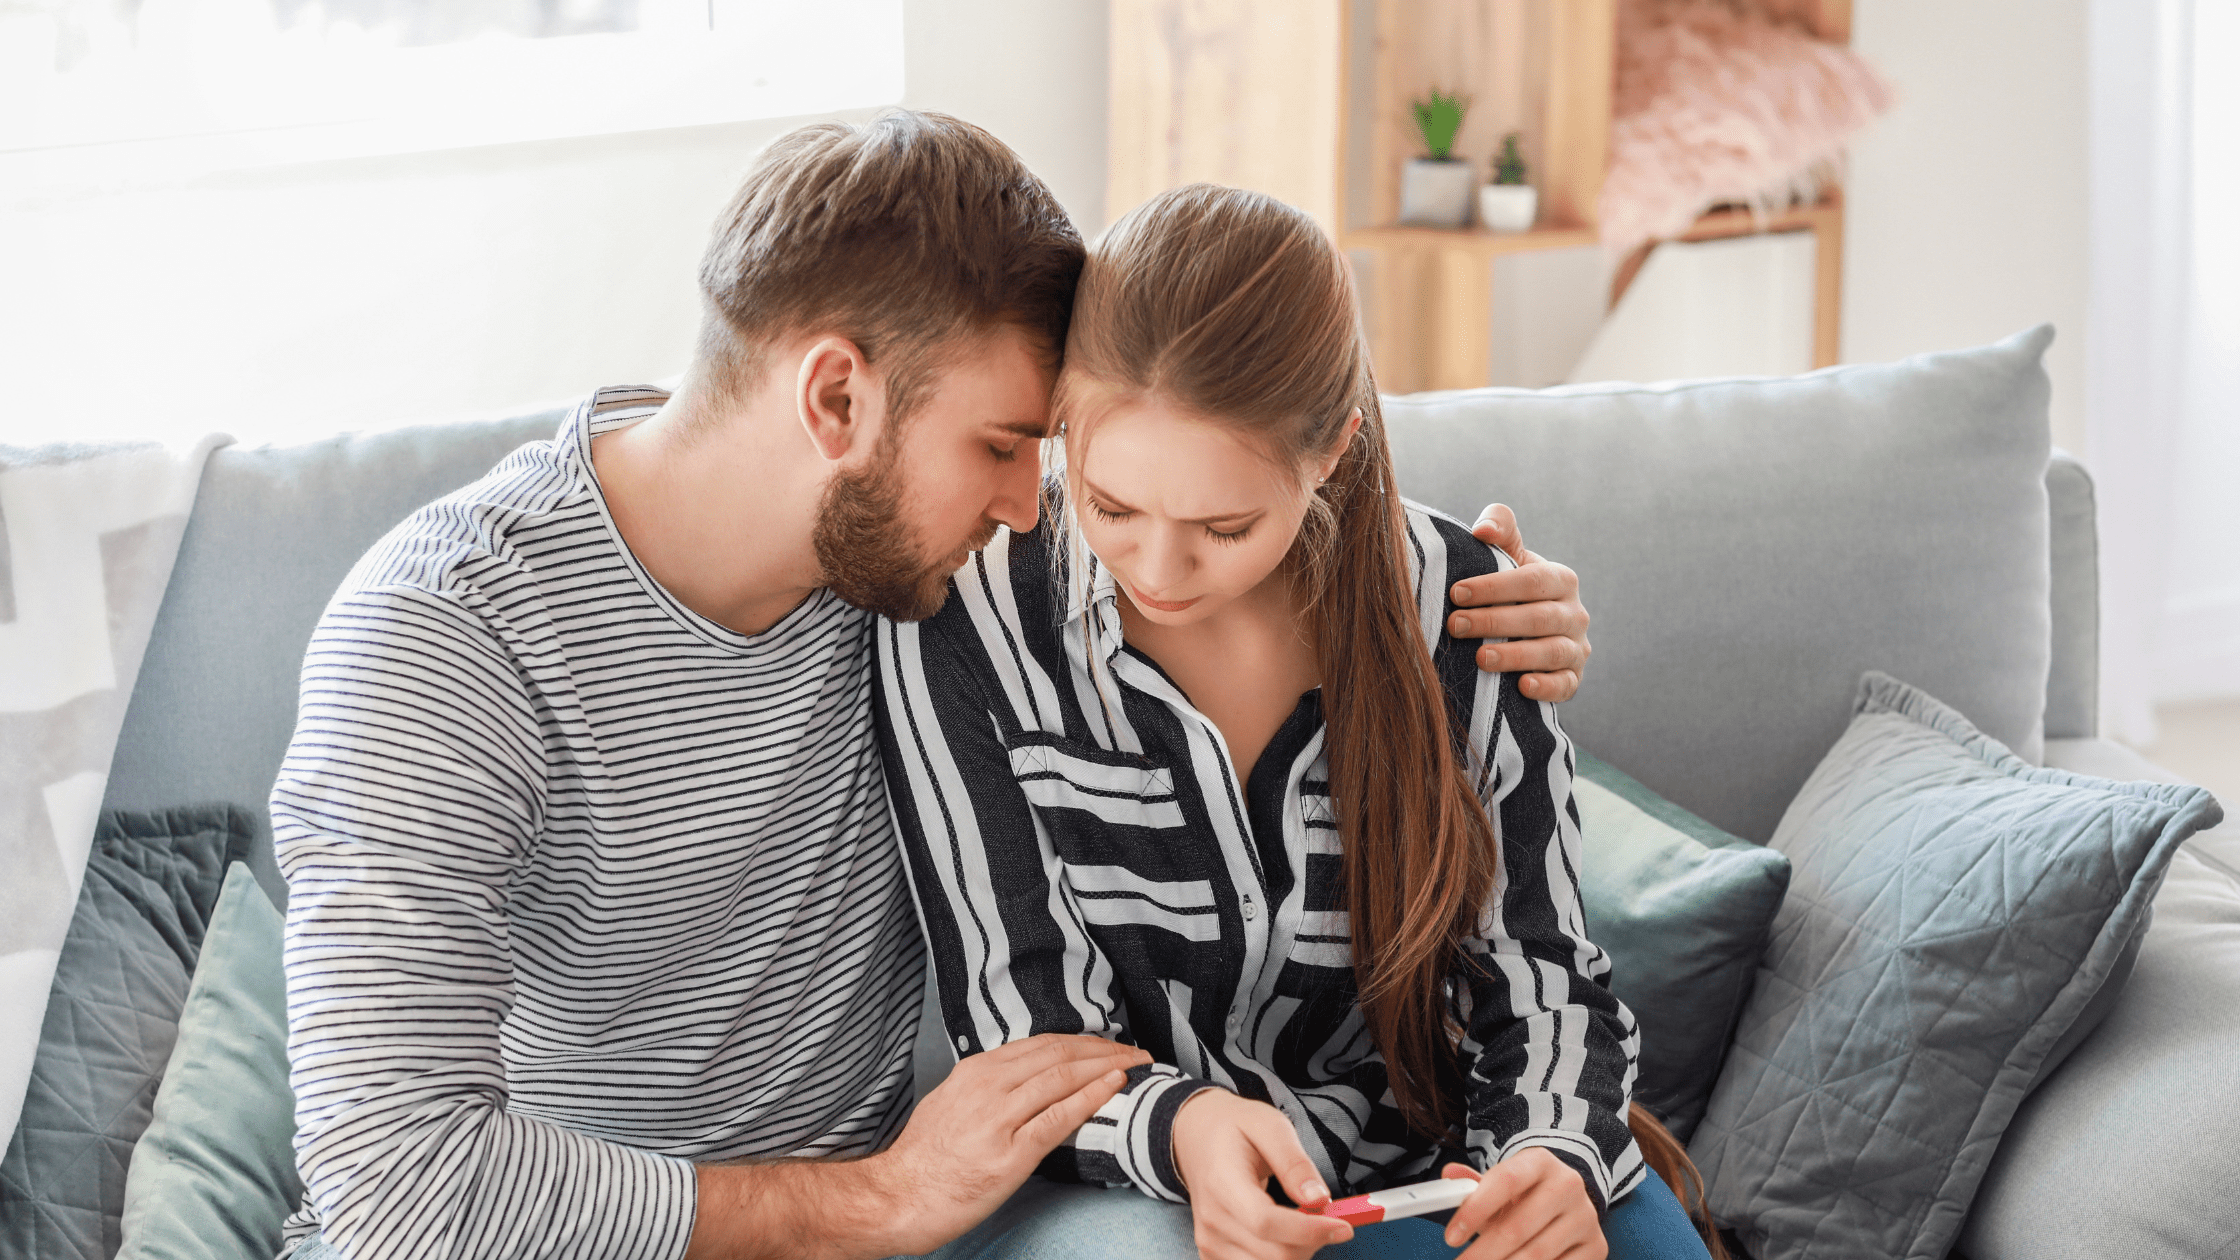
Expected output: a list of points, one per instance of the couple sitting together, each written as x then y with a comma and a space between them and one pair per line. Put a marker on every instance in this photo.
633, 784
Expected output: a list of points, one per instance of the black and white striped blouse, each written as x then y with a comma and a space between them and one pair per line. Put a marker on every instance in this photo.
1090, 862
583, 886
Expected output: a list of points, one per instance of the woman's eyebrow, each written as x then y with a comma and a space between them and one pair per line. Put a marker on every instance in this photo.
1224, 518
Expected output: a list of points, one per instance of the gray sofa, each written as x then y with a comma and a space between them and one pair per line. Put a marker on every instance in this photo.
1742, 571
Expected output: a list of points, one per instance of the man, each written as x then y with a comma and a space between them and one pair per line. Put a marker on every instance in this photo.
598, 941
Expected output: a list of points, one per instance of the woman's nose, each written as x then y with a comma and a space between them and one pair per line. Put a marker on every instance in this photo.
1164, 564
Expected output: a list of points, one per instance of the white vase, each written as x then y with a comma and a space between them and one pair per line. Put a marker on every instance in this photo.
1435, 193
1508, 207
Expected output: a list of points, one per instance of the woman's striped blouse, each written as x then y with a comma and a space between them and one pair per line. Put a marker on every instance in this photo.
1086, 859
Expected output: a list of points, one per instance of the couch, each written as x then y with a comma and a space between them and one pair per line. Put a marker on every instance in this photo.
1741, 576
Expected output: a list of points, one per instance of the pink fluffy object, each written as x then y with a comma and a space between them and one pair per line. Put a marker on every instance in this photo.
1713, 103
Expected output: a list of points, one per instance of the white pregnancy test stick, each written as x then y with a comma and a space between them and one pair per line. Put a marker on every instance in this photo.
1420, 1199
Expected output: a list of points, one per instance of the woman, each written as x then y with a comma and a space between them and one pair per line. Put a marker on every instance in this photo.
1326, 879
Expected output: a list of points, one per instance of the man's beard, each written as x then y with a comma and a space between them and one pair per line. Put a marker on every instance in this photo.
870, 556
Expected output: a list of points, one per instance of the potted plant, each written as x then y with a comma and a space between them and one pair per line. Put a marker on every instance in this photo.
1435, 190
1508, 204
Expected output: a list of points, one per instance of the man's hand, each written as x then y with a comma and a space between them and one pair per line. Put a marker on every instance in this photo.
969, 1145
1530, 1206
1535, 605
1226, 1148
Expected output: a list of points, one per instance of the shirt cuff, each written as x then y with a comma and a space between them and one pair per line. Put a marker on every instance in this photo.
1142, 1115
1576, 1151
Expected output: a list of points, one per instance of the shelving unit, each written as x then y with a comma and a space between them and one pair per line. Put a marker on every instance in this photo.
1307, 100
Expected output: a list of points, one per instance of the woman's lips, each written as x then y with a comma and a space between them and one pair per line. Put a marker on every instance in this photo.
1160, 605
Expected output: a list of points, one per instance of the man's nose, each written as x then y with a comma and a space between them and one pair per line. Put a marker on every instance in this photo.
1018, 497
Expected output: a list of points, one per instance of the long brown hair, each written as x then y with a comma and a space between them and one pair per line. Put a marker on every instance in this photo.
1236, 308
1233, 306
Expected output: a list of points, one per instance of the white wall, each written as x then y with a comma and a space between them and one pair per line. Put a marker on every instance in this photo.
366, 292
1967, 211
349, 294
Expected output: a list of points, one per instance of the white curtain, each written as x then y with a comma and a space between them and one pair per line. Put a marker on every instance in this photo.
2163, 355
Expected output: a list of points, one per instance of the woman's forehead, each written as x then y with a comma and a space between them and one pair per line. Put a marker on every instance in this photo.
1158, 458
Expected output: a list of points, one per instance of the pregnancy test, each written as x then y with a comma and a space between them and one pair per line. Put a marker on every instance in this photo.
1420, 1199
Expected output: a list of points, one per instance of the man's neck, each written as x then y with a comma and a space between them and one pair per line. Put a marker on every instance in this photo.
717, 499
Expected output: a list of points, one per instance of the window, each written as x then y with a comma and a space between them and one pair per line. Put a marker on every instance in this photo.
254, 81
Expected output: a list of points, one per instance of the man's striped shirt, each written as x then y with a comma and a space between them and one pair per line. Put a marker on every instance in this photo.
1087, 859
583, 886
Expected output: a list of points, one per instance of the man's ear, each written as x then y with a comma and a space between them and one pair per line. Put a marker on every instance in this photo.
840, 402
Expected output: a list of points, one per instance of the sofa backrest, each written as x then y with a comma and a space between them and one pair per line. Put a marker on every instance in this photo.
273, 532
1747, 548
1750, 547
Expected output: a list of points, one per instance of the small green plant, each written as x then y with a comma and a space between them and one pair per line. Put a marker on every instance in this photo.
1508, 166
1438, 119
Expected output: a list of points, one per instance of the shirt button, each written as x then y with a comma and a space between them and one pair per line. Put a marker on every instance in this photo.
963, 1044
1251, 908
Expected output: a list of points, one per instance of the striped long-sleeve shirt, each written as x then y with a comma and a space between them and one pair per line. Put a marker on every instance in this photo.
582, 886
1087, 859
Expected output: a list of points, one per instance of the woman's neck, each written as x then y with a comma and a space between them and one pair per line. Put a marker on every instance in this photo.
1244, 666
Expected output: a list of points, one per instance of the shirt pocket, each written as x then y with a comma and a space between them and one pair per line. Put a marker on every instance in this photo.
1129, 859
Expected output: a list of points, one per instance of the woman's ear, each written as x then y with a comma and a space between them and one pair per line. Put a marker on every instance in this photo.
1345, 440
839, 401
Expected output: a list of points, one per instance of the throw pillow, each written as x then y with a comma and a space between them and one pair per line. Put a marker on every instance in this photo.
1952, 913
1683, 909
151, 881
215, 1174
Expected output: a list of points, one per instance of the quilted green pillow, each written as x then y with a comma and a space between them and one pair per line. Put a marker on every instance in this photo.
1954, 914
1683, 909
150, 883
215, 1174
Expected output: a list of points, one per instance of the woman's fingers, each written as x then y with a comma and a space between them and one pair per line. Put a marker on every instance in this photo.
1531, 1206
1495, 1191
1277, 1142
1531, 1226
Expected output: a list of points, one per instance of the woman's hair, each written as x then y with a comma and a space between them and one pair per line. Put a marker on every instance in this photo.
1234, 307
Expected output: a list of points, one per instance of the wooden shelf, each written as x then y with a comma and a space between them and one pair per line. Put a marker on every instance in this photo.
1474, 241
1307, 100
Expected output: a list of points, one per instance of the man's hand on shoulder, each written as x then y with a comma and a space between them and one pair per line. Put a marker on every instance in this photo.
967, 1147
1535, 606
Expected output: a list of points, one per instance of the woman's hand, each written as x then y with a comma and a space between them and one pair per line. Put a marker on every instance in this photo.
1530, 1206
1226, 1148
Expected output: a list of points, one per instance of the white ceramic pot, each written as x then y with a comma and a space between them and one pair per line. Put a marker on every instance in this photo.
1435, 194
1508, 207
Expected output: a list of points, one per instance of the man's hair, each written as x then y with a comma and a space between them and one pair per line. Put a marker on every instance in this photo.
902, 234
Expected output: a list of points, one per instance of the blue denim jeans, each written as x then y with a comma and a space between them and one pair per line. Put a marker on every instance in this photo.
1049, 1221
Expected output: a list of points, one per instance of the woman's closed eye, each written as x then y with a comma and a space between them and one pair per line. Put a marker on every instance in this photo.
1105, 514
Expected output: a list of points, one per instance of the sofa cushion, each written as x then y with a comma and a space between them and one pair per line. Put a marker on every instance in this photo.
1750, 547
274, 530
2133, 1148
1951, 916
215, 1173
151, 882
1683, 909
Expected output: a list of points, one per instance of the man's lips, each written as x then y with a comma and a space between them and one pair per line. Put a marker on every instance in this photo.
1161, 605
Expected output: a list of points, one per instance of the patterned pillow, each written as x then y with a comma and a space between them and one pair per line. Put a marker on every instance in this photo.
1952, 913
151, 882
